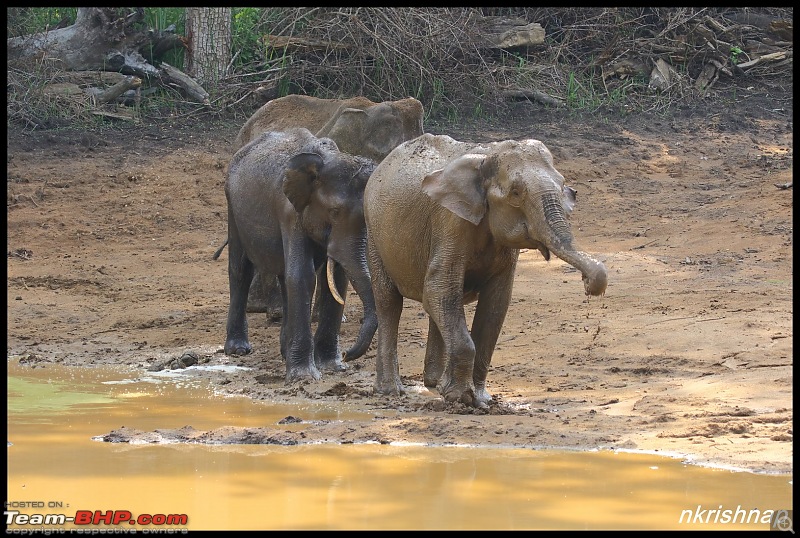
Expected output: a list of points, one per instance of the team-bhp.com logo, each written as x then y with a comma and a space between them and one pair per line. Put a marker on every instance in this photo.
96, 517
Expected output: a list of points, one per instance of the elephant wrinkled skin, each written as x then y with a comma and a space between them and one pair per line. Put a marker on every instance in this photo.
294, 202
445, 222
358, 125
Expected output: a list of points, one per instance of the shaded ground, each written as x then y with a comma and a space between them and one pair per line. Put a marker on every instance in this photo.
111, 236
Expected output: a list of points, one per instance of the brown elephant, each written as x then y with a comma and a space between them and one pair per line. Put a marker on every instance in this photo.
445, 222
295, 204
357, 125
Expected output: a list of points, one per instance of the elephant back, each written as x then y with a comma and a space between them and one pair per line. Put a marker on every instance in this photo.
294, 110
263, 159
411, 161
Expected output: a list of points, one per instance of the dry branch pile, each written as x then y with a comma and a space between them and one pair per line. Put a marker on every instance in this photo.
480, 59
457, 57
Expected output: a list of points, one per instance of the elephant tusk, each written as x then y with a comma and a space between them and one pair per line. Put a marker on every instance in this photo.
332, 284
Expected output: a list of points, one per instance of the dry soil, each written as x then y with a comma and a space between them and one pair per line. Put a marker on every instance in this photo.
689, 353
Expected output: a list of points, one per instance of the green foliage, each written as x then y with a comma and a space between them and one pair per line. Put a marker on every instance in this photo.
438, 93
735, 52
30, 20
477, 112
162, 18
246, 34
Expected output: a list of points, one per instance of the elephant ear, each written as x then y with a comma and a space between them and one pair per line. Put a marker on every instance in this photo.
301, 172
345, 128
334, 119
570, 197
410, 113
459, 186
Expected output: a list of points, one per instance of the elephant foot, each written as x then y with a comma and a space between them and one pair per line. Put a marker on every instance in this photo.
328, 358
432, 371
430, 380
482, 398
304, 373
237, 347
335, 365
274, 314
389, 388
465, 395
265, 296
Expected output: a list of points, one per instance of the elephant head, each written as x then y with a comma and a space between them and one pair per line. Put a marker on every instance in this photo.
375, 130
326, 188
514, 188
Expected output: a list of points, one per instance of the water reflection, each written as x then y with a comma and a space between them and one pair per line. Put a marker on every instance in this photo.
54, 412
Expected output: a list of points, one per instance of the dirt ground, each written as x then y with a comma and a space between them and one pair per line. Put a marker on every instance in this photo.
689, 353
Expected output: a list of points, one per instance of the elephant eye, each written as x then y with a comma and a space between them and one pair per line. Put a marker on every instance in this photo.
516, 193
334, 213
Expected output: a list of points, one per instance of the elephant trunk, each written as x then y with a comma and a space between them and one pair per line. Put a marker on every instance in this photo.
369, 324
559, 240
354, 261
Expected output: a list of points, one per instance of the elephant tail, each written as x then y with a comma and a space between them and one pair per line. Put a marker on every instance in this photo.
220, 249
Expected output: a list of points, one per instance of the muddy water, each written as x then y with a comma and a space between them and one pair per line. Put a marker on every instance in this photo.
54, 412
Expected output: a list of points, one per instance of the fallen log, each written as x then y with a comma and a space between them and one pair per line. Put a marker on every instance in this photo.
189, 85
102, 39
774, 57
534, 95
115, 115
110, 94
503, 33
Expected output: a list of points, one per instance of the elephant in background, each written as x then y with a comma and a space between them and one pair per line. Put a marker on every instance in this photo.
445, 222
294, 202
357, 125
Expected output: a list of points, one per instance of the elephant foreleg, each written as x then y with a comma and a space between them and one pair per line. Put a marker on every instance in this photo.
240, 274
456, 383
443, 300
327, 353
284, 318
296, 339
389, 307
490, 313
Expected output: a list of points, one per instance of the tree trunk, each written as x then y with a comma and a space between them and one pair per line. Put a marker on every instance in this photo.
208, 32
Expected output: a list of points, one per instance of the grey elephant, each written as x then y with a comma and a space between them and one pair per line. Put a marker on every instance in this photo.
358, 125
295, 202
445, 222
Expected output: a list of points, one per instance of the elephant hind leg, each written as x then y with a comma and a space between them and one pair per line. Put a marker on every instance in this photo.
434, 356
265, 296
389, 308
